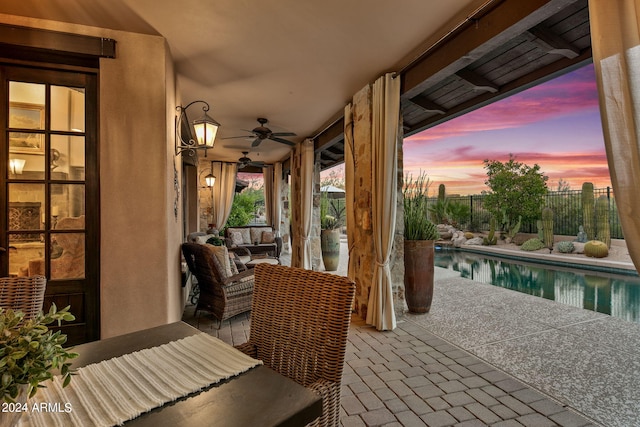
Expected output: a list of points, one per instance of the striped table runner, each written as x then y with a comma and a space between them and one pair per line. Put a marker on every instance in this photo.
117, 390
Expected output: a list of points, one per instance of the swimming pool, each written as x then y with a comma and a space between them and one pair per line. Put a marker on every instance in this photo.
614, 294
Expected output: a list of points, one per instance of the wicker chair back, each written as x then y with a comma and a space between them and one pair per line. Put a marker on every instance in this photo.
299, 326
25, 294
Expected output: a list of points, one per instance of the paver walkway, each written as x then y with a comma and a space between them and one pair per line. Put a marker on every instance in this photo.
458, 364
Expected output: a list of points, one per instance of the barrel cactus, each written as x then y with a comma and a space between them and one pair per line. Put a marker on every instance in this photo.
588, 209
532, 245
565, 247
596, 249
547, 227
602, 220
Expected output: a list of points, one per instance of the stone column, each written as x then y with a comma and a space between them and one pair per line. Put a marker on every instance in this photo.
364, 252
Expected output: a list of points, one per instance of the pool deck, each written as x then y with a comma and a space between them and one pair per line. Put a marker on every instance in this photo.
485, 356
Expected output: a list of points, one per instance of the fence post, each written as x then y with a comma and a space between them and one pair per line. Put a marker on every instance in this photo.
471, 210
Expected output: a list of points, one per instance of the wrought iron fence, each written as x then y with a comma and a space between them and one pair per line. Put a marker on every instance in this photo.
566, 206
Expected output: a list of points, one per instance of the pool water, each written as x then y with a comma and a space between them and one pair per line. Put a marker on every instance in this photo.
614, 294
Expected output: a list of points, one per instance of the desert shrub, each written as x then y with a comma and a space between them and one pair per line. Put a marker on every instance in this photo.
532, 245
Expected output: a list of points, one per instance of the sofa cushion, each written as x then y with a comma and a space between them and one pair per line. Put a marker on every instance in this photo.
267, 237
246, 234
256, 233
222, 255
236, 238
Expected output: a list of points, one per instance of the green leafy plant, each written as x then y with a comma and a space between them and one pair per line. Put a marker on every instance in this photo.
329, 222
30, 352
417, 225
517, 188
215, 241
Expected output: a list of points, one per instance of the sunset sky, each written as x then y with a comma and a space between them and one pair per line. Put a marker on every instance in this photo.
556, 125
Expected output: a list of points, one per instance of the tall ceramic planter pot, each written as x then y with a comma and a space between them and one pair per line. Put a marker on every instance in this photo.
418, 274
330, 245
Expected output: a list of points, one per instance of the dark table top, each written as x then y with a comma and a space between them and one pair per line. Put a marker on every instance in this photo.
259, 396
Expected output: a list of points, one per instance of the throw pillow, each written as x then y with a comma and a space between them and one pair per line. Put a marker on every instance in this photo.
267, 237
246, 235
236, 238
222, 256
256, 233
232, 263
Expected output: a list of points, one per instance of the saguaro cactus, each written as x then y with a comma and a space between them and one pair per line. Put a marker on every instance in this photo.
441, 192
588, 210
547, 227
491, 238
602, 220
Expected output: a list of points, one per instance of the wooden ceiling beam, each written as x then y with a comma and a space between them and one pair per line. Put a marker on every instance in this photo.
476, 81
553, 43
543, 74
428, 105
478, 37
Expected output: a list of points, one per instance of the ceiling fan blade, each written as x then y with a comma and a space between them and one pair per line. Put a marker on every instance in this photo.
283, 141
257, 164
235, 137
256, 142
283, 134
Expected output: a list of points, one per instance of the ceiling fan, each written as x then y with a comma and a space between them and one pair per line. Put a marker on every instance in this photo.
246, 161
262, 132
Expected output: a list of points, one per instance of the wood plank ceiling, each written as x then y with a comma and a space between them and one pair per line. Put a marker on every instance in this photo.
498, 52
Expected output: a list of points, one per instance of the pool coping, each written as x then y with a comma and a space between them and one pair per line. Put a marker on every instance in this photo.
593, 264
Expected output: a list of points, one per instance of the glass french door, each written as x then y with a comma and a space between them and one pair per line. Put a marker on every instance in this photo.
49, 188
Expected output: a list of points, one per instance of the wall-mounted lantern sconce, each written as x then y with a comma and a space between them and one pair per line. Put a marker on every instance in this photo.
210, 179
199, 134
16, 166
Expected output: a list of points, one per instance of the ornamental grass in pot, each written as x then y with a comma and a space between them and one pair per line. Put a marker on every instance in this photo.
30, 353
419, 236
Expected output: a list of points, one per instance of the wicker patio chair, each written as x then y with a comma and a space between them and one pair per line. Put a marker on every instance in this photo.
25, 294
222, 293
299, 325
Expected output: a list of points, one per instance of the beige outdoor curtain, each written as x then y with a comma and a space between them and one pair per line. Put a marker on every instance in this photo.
386, 112
615, 35
276, 208
302, 199
267, 178
349, 165
272, 175
223, 192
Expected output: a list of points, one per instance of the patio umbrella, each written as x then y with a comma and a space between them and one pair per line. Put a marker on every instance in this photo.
333, 192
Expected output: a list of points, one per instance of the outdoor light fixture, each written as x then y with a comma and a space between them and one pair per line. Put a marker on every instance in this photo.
210, 180
16, 166
195, 135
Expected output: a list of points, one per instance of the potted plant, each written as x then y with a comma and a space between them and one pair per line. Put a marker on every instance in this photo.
31, 353
419, 236
330, 242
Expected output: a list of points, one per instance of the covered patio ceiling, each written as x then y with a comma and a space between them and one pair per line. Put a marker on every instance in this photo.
298, 63
503, 49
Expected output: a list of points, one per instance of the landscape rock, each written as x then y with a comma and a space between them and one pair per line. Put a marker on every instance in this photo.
578, 247
476, 241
